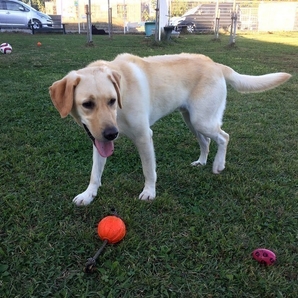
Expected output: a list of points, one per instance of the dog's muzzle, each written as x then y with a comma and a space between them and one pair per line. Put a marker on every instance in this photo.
104, 148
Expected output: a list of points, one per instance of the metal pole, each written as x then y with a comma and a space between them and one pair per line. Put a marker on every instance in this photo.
89, 24
217, 18
89, 30
233, 25
110, 21
157, 21
77, 5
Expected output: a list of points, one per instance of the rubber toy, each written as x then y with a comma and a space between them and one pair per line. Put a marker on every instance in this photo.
111, 229
264, 256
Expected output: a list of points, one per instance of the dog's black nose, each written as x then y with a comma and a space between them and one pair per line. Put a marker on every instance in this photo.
110, 133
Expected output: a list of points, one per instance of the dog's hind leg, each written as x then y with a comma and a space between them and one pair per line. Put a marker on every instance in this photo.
222, 140
204, 141
214, 132
206, 121
86, 197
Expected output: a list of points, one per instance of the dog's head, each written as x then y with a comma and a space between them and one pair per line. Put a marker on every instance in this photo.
91, 96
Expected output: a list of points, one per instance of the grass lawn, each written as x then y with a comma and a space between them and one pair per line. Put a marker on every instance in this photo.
195, 239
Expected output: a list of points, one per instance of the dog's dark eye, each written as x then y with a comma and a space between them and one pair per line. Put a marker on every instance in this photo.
89, 105
111, 102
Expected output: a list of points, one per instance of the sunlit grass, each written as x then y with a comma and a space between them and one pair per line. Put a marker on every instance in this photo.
287, 38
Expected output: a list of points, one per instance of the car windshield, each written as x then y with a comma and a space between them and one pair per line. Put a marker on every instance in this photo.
191, 11
28, 6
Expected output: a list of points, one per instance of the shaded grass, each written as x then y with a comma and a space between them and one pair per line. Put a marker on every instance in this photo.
195, 239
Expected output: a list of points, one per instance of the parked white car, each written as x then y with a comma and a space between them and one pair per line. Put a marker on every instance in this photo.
16, 14
174, 21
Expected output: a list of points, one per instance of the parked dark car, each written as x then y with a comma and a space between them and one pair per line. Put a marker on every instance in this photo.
16, 14
202, 17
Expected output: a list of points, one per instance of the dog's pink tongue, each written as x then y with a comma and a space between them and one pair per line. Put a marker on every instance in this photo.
105, 149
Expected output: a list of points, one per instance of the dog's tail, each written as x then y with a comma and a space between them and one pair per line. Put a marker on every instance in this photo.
250, 84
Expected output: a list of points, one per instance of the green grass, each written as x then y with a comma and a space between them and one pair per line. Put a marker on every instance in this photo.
196, 238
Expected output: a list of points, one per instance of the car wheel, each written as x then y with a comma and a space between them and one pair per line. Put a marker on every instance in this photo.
36, 24
190, 28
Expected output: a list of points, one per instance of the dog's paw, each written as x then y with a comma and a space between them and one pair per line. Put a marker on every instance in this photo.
83, 199
218, 168
147, 195
198, 163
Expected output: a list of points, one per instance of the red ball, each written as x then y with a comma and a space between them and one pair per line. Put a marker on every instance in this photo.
112, 229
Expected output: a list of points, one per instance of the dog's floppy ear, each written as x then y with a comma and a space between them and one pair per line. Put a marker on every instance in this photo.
62, 93
116, 77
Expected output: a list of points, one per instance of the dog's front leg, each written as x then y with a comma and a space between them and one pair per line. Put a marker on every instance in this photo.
86, 197
146, 151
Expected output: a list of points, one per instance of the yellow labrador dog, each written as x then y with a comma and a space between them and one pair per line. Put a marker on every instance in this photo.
129, 94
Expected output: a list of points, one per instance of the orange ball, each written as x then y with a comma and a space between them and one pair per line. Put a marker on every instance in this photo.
39, 43
112, 229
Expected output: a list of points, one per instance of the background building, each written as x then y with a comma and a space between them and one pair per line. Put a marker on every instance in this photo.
255, 15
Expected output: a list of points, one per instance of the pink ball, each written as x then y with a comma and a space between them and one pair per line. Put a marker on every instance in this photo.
264, 256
